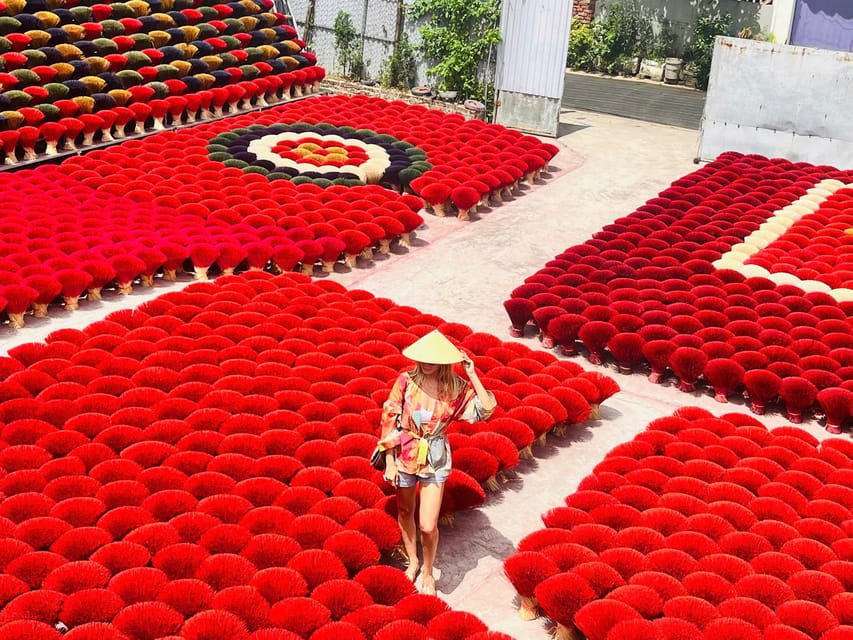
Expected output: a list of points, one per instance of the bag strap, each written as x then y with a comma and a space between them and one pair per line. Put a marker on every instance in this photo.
403, 384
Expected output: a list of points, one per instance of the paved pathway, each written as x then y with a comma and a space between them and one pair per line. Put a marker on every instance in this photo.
632, 98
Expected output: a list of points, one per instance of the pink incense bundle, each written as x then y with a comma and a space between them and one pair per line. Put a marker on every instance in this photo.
465, 200
798, 394
258, 255
141, 112
127, 269
526, 570
835, 403
561, 596
604, 385
27, 138
627, 349
51, 132
520, 312
687, 363
543, 317
658, 353
595, 335
49, 288
436, 195
724, 375
9, 142
19, 298
762, 386
202, 257
175, 254
230, 257
74, 282
102, 272
153, 259
393, 228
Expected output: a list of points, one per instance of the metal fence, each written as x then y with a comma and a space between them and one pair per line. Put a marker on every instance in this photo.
376, 21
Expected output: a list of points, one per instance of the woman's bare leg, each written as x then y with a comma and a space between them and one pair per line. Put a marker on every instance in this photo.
431, 495
406, 519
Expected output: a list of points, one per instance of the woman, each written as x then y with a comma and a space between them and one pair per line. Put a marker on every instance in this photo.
421, 404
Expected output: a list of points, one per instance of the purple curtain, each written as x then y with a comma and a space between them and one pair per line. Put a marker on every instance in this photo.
827, 24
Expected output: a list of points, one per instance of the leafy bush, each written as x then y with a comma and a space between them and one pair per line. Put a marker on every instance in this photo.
457, 37
701, 52
400, 70
583, 47
626, 29
623, 31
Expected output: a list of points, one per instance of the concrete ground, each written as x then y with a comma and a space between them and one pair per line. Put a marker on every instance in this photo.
463, 271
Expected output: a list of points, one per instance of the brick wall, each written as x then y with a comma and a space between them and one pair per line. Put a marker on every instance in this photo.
584, 10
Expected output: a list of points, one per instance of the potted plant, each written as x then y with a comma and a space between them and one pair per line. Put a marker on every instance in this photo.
651, 68
688, 75
445, 92
655, 50
629, 65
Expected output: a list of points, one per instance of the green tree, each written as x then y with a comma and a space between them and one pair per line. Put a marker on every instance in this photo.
401, 68
346, 42
457, 37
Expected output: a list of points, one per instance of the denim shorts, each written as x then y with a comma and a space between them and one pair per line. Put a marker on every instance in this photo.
407, 480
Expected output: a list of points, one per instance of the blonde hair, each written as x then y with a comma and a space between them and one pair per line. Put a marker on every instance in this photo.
449, 384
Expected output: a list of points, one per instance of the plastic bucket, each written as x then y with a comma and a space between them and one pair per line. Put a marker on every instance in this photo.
672, 70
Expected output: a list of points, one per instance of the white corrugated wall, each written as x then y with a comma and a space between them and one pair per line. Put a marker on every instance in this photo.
532, 54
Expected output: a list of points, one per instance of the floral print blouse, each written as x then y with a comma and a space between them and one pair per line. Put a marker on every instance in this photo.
423, 447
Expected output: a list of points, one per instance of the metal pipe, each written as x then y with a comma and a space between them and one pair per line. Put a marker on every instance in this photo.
363, 31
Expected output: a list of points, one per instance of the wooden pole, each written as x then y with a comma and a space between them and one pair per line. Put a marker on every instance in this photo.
309, 21
398, 27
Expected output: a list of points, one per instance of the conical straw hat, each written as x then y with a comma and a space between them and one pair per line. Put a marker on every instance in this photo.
433, 348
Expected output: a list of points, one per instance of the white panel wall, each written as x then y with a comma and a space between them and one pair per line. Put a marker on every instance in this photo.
531, 66
532, 54
779, 101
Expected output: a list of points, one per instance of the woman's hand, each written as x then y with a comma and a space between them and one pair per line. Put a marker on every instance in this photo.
467, 364
487, 399
390, 474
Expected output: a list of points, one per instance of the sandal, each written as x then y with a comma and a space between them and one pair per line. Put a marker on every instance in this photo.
412, 571
428, 586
